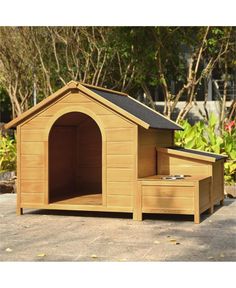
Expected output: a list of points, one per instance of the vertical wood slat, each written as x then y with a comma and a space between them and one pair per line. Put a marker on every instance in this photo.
104, 173
46, 169
137, 209
222, 184
19, 210
211, 196
148, 141
196, 204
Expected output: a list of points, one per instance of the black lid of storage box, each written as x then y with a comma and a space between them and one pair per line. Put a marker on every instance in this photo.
198, 152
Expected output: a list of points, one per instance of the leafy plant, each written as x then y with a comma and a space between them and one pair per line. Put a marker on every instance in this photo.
7, 153
205, 136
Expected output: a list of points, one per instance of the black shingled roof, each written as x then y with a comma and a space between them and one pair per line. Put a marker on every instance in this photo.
155, 120
198, 152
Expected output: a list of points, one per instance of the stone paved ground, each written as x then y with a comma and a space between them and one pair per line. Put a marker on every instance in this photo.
41, 235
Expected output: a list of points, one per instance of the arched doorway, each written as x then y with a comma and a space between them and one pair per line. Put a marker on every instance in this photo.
75, 160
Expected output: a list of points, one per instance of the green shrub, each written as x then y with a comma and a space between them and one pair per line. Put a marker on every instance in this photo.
7, 153
205, 136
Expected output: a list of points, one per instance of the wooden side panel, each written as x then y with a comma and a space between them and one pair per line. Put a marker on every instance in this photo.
121, 163
120, 188
32, 148
148, 140
168, 191
120, 175
218, 181
18, 181
167, 197
171, 165
32, 164
32, 161
32, 198
204, 194
33, 135
119, 201
167, 203
120, 134
32, 186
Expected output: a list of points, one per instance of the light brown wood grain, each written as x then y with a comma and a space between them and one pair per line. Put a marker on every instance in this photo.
32, 186
19, 210
120, 188
32, 161
113, 121
120, 148
218, 181
204, 193
32, 148
172, 165
167, 202
137, 203
119, 201
196, 205
32, 174
148, 141
77, 207
168, 211
120, 174
36, 123
120, 134
29, 135
168, 191
75, 98
121, 161
87, 199
32, 198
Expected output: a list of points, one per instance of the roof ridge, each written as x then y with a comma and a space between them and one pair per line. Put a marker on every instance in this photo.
102, 89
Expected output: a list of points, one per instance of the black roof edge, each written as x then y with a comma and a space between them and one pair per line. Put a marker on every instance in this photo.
199, 152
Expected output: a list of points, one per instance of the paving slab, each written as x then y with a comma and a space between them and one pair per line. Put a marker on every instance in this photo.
43, 235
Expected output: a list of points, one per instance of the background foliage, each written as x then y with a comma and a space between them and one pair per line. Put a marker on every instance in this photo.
36, 61
7, 153
205, 136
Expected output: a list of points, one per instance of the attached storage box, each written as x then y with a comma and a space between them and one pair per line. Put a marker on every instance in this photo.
190, 196
176, 160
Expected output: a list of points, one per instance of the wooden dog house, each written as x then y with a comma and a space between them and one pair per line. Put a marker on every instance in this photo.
94, 149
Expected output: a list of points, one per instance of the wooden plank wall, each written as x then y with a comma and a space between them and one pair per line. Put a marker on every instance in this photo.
174, 165
120, 148
218, 181
204, 194
171, 198
148, 140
